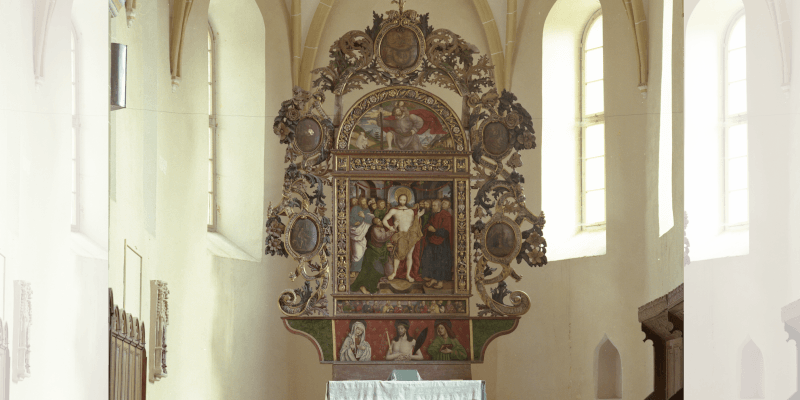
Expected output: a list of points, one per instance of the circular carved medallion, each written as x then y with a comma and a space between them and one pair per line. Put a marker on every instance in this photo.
400, 48
308, 135
303, 237
496, 138
500, 240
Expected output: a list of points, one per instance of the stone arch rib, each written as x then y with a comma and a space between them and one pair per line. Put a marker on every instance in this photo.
638, 20
312, 42
495, 44
783, 25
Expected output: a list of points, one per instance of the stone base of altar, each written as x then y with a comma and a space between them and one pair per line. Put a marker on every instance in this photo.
428, 370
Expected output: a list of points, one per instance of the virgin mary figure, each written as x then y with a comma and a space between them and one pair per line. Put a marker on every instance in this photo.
355, 347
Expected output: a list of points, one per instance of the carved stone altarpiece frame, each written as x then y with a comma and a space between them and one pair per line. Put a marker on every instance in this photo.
427, 200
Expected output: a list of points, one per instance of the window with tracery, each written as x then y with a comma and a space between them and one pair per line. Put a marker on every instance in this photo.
735, 127
593, 172
212, 132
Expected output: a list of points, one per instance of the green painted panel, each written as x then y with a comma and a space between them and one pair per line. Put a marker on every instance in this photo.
483, 329
319, 329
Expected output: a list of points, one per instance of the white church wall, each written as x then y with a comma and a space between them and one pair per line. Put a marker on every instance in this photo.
794, 167
578, 300
737, 298
68, 334
224, 335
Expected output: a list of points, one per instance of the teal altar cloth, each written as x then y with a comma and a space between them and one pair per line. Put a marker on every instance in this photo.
406, 390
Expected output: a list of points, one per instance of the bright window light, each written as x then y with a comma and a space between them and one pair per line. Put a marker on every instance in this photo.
593, 177
735, 136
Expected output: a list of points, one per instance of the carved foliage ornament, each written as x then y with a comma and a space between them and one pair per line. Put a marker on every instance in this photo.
403, 49
161, 323
303, 125
404, 53
23, 314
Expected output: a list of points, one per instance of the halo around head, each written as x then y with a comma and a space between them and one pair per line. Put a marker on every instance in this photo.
403, 191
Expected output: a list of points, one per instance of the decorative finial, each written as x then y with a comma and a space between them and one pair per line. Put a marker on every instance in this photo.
401, 3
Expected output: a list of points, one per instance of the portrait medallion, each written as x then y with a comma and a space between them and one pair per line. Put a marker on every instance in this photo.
303, 236
500, 240
308, 135
496, 138
400, 48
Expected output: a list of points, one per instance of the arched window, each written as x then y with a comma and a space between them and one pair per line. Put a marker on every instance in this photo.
593, 172
735, 137
609, 371
212, 133
75, 182
716, 183
752, 379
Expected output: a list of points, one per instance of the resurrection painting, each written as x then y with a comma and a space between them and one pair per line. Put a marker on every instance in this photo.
400, 125
401, 237
402, 340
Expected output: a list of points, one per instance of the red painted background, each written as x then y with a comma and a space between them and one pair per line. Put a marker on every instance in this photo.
376, 335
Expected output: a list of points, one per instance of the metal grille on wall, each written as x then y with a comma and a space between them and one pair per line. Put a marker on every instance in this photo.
127, 358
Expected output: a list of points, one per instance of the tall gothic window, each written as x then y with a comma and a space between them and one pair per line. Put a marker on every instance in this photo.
735, 127
212, 133
593, 172
74, 205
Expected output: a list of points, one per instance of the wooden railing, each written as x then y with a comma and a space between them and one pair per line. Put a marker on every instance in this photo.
127, 357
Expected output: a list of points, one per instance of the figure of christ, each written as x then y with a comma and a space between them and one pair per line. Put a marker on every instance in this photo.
445, 346
403, 127
436, 263
360, 219
355, 347
401, 348
407, 233
376, 259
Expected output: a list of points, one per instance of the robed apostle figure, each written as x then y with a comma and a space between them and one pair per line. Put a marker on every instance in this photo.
376, 259
445, 346
436, 262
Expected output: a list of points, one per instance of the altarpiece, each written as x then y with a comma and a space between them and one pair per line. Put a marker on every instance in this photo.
427, 205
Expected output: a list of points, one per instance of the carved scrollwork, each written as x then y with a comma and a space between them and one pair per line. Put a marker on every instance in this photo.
401, 164
23, 306
161, 323
500, 129
303, 125
403, 49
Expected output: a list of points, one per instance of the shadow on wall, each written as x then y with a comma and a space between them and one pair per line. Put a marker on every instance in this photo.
608, 370
752, 376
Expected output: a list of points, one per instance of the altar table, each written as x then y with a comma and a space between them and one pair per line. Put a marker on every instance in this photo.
406, 390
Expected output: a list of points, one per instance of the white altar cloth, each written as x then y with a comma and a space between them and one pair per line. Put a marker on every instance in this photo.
406, 390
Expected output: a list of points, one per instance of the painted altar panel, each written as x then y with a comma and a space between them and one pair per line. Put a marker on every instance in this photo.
411, 340
400, 125
401, 237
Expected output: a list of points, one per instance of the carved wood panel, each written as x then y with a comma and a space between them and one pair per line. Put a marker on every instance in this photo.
127, 358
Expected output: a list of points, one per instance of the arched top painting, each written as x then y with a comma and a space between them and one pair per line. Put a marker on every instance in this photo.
427, 203
401, 119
